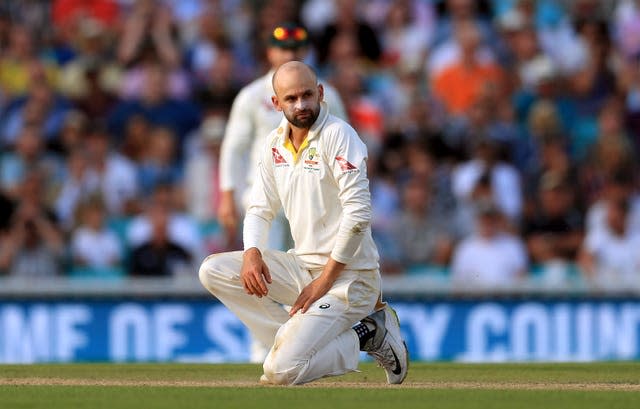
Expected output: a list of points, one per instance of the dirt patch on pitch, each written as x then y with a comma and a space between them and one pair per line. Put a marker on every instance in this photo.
325, 384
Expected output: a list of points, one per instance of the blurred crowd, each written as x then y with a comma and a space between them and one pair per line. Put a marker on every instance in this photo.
503, 134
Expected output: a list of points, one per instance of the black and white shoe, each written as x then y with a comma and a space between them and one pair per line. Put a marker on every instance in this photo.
387, 346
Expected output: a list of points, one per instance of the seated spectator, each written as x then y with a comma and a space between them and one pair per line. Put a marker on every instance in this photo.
150, 37
156, 106
158, 165
79, 183
182, 229
459, 85
219, 87
347, 22
490, 258
116, 174
34, 246
29, 155
20, 61
95, 250
620, 186
422, 230
554, 231
159, 255
73, 132
42, 106
609, 257
445, 47
504, 179
136, 138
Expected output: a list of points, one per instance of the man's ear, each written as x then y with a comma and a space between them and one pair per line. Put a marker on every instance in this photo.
276, 103
320, 92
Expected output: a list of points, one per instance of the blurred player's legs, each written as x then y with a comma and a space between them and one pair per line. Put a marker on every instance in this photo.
307, 346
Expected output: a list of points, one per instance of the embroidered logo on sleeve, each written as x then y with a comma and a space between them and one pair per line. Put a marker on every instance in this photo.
345, 165
278, 159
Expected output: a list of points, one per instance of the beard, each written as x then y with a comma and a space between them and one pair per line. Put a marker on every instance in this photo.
304, 119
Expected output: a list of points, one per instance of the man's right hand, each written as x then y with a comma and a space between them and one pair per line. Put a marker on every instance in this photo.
254, 273
228, 215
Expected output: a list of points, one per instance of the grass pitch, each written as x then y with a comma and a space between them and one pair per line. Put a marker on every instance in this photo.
429, 385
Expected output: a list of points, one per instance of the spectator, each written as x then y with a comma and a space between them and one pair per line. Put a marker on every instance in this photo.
117, 175
554, 232
150, 37
20, 63
609, 258
41, 106
459, 84
182, 229
159, 256
95, 250
136, 138
490, 258
156, 106
158, 165
90, 79
34, 247
422, 231
220, 85
618, 187
79, 183
30, 154
504, 180
348, 23
73, 132
445, 47
404, 41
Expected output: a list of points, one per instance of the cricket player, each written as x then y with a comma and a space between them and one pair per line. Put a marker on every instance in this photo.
313, 166
252, 118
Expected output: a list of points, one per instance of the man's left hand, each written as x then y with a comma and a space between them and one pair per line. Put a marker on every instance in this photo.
310, 294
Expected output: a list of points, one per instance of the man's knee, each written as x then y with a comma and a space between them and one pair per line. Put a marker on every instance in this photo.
280, 371
213, 267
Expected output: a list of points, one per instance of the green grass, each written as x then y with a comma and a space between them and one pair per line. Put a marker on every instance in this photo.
440, 385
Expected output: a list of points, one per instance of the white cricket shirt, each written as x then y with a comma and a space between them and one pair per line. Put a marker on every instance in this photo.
323, 190
252, 118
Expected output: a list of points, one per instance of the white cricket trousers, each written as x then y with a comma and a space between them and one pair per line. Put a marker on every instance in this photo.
306, 346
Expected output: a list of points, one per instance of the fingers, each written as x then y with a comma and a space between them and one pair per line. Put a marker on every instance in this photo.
266, 273
254, 284
302, 304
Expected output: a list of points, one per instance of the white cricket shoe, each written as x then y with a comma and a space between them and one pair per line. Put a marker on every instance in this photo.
387, 346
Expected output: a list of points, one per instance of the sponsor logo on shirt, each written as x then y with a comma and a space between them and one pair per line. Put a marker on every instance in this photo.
310, 164
278, 159
345, 165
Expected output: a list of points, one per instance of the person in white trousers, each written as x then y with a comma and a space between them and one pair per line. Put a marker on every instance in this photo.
252, 118
314, 168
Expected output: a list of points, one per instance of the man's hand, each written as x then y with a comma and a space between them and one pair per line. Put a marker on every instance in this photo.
310, 294
228, 215
318, 287
254, 273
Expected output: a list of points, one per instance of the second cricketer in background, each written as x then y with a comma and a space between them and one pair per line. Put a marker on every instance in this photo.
252, 118
313, 166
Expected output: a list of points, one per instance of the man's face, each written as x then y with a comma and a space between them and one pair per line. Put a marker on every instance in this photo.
298, 96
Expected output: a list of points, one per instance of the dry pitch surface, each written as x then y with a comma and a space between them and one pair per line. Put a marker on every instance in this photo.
610, 385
